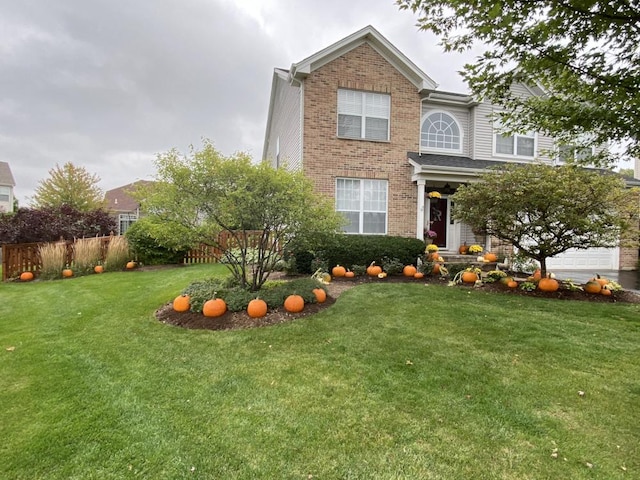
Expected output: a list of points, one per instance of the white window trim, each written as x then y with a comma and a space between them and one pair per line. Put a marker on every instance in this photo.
515, 137
442, 150
361, 206
363, 116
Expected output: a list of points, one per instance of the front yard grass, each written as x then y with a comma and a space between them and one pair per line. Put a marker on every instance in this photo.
394, 381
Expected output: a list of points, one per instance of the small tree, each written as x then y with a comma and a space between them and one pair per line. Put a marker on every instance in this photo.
69, 185
545, 210
198, 197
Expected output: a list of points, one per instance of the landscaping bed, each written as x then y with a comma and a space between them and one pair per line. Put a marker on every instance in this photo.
240, 320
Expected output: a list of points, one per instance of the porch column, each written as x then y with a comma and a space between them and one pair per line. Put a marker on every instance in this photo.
420, 214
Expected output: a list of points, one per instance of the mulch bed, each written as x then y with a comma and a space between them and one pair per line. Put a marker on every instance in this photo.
240, 320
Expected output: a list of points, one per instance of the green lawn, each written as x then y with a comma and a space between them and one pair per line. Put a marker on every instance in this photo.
394, 381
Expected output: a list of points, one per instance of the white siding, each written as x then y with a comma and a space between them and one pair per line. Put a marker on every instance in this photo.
284, 147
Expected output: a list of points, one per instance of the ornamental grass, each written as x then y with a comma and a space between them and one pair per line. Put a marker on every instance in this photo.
87, 253
117, 253
54, 258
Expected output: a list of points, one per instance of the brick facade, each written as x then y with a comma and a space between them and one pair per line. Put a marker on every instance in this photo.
326, 157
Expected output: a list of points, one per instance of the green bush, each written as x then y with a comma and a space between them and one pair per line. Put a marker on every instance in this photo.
350, 250
237, 298
150, 251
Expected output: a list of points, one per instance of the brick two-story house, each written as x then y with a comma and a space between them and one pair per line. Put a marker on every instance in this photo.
372, 131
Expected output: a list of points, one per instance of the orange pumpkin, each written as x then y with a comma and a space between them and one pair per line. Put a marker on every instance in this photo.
26, 276
214, 308
182, 303
98, 269
434, 256
606, 292
409, 271
418, 275
131, 265
436, 269
321, 295
537, 275
374, 270
490, 257
257, 308
548, 284
469, 277
464, 249
592, 286
512, 283
601, 280
349, 274
67, 272
294, 303
338, 271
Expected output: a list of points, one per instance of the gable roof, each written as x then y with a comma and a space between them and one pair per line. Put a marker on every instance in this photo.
6, 177
120, 199
371, 36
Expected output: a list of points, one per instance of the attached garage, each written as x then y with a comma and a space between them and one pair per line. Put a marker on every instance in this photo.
591, 259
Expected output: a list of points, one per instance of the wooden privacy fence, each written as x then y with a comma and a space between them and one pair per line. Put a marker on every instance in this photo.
25, 257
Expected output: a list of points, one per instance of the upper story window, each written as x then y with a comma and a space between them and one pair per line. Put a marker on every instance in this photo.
518, 145
568, 153
363, 203
440, 131
5, 194
363, 115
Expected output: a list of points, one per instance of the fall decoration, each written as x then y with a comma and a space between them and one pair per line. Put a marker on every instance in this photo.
605, 291
418, 275
601, 280
349, 274
474, 249
130, 265
593, 286
512, 283
409, 271
98, 269
182, 303
338, 271
464, 249
321, 295
436, 269
214, 308
294, 303
469, 277
548, 284
490, 257
26, 276
257, 308
67, 272
374, 270
382, 275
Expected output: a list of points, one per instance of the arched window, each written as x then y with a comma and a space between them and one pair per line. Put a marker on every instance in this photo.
440, 131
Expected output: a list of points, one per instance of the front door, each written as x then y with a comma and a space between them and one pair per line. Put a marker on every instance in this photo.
438, 220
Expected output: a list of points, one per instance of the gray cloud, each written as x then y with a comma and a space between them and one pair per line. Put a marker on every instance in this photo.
108, 84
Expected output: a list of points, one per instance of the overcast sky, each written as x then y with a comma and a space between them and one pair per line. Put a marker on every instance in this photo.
108, 84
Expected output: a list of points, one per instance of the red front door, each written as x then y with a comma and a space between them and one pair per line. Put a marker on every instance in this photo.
438, 213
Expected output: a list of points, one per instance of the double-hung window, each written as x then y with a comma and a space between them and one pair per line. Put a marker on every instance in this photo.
569, 153
5, 194
517, 145
363, 203
363, 115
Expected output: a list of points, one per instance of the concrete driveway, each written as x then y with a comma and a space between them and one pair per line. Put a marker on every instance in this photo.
630, 280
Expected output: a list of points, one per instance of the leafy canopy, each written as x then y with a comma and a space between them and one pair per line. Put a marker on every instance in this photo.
69, 185
261, 209
545, 210
584, 54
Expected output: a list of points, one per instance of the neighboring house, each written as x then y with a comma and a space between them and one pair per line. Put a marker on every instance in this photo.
6, 188
372, 131
124, 207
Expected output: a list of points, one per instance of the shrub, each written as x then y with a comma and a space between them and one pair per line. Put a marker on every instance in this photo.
349, 250
54, 258
494, 276
150, 251
392, 266
117, 253
87, 253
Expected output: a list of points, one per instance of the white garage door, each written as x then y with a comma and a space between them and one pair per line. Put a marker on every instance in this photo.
590, 259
